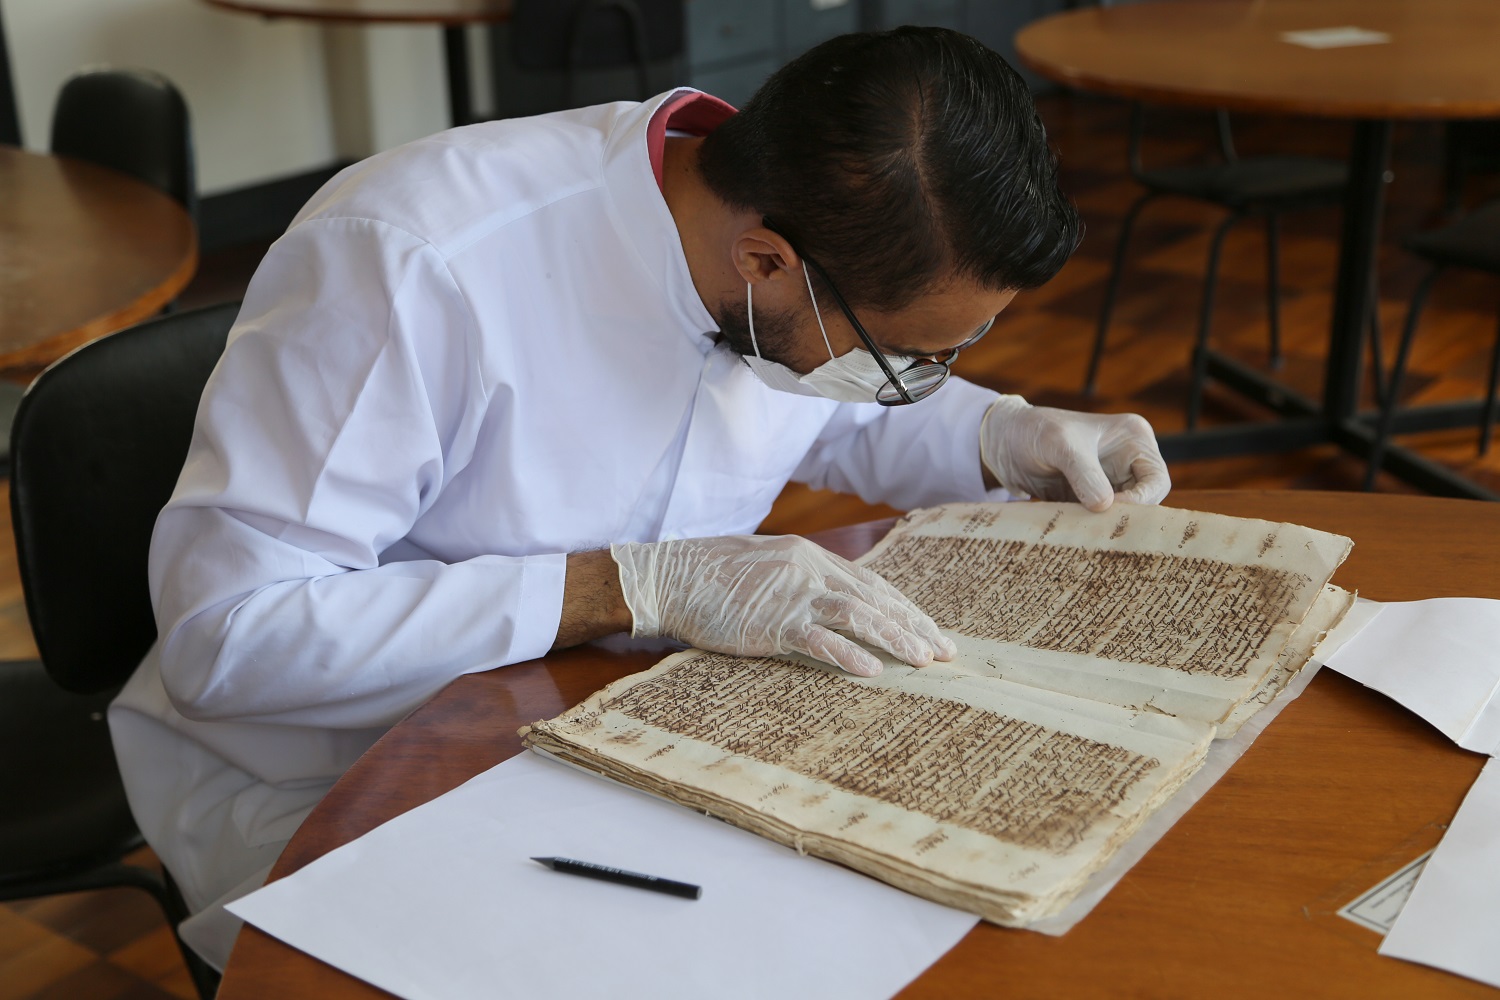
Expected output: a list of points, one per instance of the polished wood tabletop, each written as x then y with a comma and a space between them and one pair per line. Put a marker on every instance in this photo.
1440, 61
1238, 899
445, 12
84, 251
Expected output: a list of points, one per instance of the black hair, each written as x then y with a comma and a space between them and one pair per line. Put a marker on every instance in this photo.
895, 159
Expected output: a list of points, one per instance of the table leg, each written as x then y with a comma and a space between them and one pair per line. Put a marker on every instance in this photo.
456, 57
1353, 298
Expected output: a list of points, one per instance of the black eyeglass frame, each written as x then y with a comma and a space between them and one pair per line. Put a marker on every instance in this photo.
895, 392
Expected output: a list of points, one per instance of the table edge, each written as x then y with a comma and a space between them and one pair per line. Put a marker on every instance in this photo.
1309, 106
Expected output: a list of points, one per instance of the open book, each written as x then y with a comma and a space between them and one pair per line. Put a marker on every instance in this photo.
1099, 656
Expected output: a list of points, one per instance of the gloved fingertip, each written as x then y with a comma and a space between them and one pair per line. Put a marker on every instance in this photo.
948, 650
866, 666
1144, 494
1091, 488
1098, 504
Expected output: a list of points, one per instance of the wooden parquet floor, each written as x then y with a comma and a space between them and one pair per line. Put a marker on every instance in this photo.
112, 945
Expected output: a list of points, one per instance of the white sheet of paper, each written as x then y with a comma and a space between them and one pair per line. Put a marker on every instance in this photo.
1438, 659
1335, 38
443, 901
1452, 920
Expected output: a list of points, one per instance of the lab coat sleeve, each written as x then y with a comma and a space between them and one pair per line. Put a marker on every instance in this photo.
348, 395
907, 456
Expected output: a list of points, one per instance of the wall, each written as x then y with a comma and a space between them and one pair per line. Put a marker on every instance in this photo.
263, 94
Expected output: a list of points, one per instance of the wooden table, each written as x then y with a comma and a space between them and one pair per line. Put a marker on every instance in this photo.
84, 251
453, 15
1439, 64
1237, 899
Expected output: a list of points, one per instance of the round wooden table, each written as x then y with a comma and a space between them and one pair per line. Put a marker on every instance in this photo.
452, 15
1439, 63
84, 251
1238, 899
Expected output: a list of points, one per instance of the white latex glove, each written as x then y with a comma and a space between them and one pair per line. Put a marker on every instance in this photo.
759, 595
1054, 454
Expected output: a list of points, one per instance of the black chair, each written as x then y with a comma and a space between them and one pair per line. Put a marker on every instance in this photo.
1469, 146
96, 448
1472, 242
133, 121
1265, 186
558, 35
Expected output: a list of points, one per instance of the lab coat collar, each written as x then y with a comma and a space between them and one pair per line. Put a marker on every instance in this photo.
645, 223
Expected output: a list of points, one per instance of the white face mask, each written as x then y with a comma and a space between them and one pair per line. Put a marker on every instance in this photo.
854, 378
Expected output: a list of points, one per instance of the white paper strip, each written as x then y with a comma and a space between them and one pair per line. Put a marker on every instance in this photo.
1437, 658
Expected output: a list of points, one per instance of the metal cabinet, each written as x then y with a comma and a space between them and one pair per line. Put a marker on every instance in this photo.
807, 22
725, 31
938, 13
993, 22
733, 45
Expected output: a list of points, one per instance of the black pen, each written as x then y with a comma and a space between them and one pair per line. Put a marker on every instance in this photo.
620, 877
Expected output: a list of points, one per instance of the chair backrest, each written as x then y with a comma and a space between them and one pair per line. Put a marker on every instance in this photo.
573, 35
134, 121
96, 448
1223, 131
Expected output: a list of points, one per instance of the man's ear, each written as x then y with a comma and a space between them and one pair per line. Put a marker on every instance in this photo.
760, 254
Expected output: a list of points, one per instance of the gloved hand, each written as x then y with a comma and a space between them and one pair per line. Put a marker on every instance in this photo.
1054, 454
759, 595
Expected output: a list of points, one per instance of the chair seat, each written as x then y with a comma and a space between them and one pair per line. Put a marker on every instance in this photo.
62, 808
1252, 181
1473, 241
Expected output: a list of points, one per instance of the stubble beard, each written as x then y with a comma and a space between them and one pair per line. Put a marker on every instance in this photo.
775, 331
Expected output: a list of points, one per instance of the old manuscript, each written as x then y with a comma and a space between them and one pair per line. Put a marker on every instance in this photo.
1099, 656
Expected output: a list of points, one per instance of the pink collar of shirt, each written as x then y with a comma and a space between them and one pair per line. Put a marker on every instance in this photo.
688, 111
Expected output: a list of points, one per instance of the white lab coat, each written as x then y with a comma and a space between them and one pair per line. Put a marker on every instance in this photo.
466, 358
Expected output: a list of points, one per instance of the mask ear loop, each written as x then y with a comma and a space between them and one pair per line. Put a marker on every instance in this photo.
750, 315
817, 312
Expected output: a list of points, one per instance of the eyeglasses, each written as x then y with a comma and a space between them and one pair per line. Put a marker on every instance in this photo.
924, 377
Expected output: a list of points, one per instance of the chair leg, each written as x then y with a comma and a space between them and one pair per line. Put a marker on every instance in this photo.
1273, 285
1454, 167
1110, 289
1398, 372
1376, 361
1205, 321
1489, 399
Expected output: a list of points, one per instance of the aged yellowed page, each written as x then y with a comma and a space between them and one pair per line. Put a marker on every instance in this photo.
978, 793
1151, 608
1327, 611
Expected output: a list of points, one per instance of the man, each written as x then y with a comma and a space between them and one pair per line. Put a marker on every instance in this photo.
519, 385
